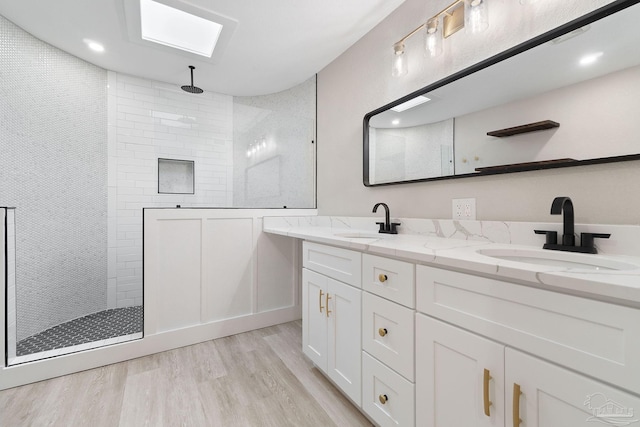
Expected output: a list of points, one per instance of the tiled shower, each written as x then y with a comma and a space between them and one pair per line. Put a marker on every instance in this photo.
79, 153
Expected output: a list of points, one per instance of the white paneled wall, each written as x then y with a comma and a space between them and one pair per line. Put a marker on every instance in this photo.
150, 120
205, 266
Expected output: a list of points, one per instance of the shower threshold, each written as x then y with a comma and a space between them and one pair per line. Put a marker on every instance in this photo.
99, 329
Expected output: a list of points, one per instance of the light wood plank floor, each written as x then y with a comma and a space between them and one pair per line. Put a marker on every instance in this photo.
259, 378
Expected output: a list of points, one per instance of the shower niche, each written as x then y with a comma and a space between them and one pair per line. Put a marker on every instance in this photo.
176, 176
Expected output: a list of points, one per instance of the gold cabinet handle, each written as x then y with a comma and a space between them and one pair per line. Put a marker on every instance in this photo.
516, 405
382, 278
485, 392
320, 300
327, 304
382, 331
383, 398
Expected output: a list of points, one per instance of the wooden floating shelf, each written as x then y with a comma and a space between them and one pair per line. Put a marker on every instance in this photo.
531, 127
543, 164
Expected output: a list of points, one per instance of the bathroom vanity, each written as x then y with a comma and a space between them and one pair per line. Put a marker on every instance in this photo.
446, 325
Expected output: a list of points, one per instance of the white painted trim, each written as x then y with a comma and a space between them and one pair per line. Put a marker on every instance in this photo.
3, 282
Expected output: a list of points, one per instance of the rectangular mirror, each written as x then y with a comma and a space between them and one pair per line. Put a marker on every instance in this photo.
566, 98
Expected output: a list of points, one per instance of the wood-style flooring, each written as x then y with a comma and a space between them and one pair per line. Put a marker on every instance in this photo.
258, 378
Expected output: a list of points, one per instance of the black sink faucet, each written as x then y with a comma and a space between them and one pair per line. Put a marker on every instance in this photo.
564, 206
387, 226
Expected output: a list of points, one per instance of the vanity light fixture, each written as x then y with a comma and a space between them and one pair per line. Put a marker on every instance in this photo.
257, 146
476, 16
470, 14
399, 60
433, 38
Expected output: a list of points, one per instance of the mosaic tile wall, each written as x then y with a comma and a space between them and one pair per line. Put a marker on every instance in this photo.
53, 169
274, 157
150, 120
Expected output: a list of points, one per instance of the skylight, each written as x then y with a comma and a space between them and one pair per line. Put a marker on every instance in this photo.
178, 29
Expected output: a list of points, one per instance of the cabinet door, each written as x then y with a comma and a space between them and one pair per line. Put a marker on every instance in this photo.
552, 396
314, 317
451, 387
344, 364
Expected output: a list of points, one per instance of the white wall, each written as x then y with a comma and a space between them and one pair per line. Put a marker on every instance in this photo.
360, 80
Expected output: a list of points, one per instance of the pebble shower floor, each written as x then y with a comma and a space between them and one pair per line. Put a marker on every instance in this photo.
94, 327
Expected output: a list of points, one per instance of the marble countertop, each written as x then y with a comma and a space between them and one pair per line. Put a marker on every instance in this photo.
462, 254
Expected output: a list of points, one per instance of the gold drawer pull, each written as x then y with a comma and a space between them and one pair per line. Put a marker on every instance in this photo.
320, 300
382, 331
516, 405
485, 392
327, 304
382, 278
383, 398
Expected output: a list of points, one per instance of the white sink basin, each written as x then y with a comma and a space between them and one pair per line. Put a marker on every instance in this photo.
570, 260
360, 235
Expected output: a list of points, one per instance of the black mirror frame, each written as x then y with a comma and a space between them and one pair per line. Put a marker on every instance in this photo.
597, 14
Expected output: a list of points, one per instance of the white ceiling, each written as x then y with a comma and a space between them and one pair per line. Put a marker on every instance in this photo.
276, 45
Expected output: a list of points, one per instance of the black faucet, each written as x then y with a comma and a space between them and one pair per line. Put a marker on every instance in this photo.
387, 226
564, 206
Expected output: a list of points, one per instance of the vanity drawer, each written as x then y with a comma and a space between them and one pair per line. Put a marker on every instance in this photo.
386, 397
340, 264
586, 335
387, 333
389, 278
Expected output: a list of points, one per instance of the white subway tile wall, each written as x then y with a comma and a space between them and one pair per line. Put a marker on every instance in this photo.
151, 120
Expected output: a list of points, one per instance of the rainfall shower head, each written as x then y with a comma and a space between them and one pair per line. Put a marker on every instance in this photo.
191, 88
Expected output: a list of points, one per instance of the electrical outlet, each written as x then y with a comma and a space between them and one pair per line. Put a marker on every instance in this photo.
464, 208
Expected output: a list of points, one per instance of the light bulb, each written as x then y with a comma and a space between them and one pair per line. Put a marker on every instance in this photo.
399, 61
476, 16
433, 39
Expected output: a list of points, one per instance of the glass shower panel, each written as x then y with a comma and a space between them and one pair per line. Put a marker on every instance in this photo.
274, 149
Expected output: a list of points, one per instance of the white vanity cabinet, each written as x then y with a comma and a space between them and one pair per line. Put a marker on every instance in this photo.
388, 319
594, 338
417, 345
331, 315
464, 379
459, 377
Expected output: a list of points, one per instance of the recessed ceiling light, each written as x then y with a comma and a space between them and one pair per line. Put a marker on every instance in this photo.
178, 29
590, 58
395, 122
93, 45
411, 103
